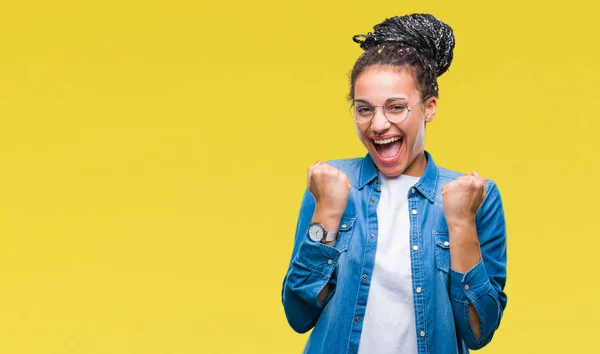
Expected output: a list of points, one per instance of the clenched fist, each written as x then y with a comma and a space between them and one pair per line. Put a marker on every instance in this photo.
463, 197
330, 187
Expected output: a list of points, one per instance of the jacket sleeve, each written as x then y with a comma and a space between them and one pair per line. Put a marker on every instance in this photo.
483, 285
311, 267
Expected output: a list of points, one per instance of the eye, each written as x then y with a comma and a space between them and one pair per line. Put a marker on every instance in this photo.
396, 108
363, 110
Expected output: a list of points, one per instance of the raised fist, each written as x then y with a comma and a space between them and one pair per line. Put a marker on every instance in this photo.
463, 197
330, 187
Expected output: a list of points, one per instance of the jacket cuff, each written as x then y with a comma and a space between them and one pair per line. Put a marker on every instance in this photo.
311, 269
468, 287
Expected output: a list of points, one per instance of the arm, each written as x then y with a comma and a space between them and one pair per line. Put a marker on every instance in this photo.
478, 271
310, 280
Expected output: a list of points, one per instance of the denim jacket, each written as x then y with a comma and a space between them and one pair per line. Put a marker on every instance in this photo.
441, 294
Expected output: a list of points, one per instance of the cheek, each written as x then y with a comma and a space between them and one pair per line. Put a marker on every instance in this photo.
360, 132
419, 142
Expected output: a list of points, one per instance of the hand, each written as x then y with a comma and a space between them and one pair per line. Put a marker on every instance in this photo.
463, 198
330, 187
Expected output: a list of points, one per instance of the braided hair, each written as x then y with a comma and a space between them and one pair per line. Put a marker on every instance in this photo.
418, 42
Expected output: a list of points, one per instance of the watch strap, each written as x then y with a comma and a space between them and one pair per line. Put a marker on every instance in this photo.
330, 236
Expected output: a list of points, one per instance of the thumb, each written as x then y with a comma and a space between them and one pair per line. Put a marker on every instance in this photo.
310, 169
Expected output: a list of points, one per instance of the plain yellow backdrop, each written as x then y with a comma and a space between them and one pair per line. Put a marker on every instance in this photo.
153, 157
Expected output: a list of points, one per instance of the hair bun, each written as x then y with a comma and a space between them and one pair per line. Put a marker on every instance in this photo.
424, 32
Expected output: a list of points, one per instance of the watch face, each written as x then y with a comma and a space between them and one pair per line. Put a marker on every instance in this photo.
315, 232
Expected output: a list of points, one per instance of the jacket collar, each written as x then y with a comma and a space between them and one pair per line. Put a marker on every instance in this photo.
427, 184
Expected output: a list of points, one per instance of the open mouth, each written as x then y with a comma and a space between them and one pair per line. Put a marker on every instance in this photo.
388, 150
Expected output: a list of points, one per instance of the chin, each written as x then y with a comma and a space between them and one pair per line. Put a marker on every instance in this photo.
391, 171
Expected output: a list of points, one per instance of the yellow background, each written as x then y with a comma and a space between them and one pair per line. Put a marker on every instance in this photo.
153, 156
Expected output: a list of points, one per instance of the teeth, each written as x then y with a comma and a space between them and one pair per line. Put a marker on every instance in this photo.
386, 141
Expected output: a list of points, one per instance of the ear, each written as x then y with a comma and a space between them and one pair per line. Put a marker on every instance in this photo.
430, 109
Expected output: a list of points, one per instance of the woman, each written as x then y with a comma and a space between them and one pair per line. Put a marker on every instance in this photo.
394, 254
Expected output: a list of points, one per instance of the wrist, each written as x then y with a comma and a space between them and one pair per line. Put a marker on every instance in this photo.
330, 219
459, 224
465, 249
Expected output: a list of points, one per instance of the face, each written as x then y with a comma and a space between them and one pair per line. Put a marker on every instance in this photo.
396, 148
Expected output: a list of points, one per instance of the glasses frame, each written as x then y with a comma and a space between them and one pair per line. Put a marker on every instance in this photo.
409, 109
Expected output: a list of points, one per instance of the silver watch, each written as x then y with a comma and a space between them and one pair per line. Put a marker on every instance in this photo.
317, 233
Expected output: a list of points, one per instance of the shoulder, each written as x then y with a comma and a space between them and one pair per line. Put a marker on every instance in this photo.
347, 164
446, 176
350, 166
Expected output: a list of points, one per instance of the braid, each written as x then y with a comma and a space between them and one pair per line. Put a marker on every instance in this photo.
418, 42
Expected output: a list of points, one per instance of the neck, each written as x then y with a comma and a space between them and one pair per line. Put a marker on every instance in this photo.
417, 166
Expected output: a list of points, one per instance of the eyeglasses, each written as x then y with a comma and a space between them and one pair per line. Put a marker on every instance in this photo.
395, 110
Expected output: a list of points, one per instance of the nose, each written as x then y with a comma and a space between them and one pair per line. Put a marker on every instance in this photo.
379, 124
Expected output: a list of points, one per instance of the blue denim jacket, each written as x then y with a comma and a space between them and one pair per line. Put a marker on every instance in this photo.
443, 295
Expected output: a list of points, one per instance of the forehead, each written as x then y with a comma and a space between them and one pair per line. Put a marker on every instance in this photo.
378, 83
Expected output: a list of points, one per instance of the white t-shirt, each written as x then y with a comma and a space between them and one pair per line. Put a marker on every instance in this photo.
389, 325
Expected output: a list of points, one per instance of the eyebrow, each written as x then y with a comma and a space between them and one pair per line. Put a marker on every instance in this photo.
389, 99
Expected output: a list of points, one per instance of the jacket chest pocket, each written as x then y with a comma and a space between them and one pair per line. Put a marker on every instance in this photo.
346, 230
442, 250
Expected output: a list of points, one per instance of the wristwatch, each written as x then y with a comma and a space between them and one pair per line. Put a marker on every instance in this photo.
317, 233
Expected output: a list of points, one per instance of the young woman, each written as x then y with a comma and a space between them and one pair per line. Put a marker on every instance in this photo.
392, 253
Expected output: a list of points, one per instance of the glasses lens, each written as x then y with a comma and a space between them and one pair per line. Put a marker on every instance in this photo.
396, 111
362, 112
